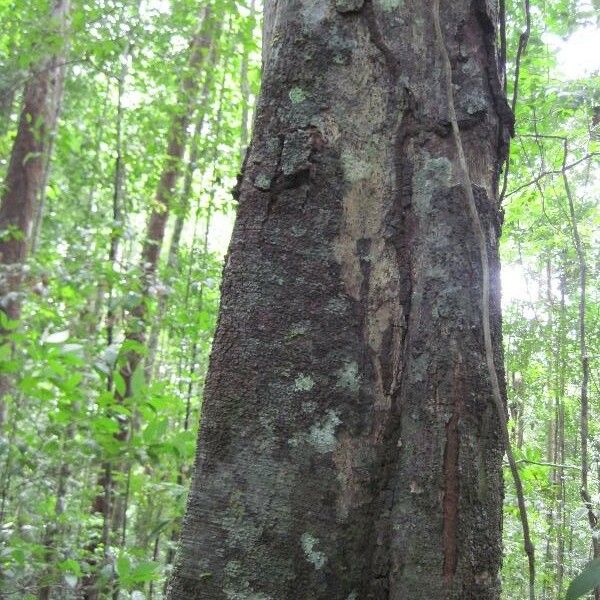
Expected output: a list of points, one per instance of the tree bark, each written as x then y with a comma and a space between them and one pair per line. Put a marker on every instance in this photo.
350, 447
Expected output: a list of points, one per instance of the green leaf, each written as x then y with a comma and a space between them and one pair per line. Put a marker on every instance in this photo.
123, 566
119, 384
137, 381
133, 346
143, 572
586, 581
104, 424
5, 352
6, 323
155, 430
131, 575
70, 566
160, 528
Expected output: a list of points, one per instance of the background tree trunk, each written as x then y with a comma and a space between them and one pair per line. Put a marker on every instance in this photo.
135, 327
350, 447
25, 174
25, 177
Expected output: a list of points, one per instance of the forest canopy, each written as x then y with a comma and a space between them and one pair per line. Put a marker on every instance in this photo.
110, 280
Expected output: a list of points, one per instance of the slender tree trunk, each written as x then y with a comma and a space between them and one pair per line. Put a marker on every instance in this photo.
99, 129
552, 451
8, 90
184, 204
350, 444
41, 204
245, 89
53, 529
103, 502
155, 233
561, 454
25, 176
585, 365
115, 513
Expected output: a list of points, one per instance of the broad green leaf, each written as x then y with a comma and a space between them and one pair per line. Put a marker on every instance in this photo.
5, 352
155, 430
586, 581
123, 566
119, 383
143, 572
137, 381
105, 425
6, 323
70, 566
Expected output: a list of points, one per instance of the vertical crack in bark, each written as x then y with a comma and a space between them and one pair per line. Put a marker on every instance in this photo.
452, 479
389, 358
506, 117
276, 182
379, 42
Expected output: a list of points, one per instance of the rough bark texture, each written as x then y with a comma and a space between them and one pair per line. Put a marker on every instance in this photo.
350, 448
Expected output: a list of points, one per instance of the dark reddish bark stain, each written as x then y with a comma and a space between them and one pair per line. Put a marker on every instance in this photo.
451, 482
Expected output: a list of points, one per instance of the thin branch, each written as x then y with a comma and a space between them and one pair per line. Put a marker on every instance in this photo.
537, 183
553, 172
545, 464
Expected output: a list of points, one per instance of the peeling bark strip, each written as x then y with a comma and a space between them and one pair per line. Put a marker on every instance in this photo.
346, 451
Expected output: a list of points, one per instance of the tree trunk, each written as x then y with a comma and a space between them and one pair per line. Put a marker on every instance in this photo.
245, 87
350, 446
25, 176
184, 205
8, 91
102, 505
584, 415
135, 330
25, 173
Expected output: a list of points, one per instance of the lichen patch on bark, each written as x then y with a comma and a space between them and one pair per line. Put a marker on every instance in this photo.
304, 383
322, 435
314, 556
